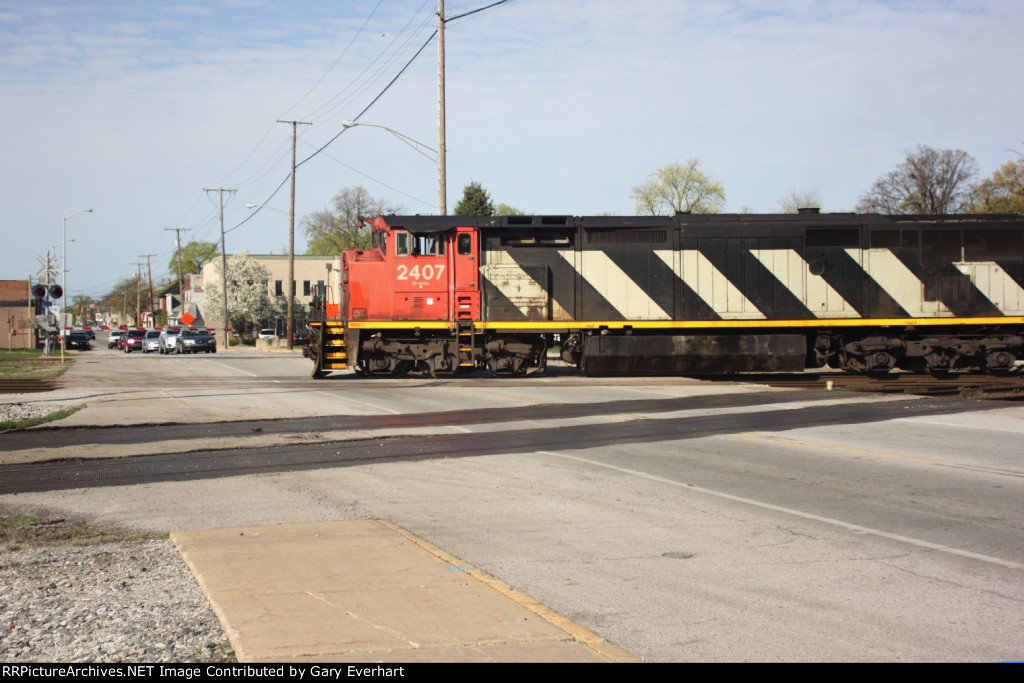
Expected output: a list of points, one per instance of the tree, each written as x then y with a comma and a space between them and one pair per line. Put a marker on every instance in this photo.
248, 294
193, 256
475, 201
334, 230
796, 200
1003, 192
507, 210
679, 188
928, 181
124, 299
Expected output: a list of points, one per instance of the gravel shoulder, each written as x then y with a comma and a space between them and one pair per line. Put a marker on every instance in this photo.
69, 593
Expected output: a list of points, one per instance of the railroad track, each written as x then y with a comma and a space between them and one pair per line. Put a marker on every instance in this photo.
964, 385
27, 386
198, 463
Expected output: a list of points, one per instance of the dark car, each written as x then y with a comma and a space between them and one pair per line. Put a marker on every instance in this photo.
132, 340
77, 339
194, 341
300, 338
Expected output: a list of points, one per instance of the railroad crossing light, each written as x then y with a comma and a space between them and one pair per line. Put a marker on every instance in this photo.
56, 291
39, 292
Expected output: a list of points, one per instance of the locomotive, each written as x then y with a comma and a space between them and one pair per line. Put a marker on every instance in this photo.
683, 294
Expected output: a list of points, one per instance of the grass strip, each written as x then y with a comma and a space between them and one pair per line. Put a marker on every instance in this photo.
11, 425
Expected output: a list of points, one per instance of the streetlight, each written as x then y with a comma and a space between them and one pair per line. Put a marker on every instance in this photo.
419, 147
64, 259
290, 287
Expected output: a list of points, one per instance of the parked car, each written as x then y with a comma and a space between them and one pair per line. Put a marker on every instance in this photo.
194, 341
77, 339
132, 340
169, 340
115, 337
300, 338
151, 342
267, 334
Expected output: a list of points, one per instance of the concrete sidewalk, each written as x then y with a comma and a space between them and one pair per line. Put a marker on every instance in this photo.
368, 591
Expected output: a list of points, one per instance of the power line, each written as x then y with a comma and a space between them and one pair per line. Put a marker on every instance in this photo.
370, 105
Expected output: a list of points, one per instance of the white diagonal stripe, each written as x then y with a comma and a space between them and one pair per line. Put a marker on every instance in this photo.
899, 282
516, 285
996, 285
813, 291
714, 289
625, 295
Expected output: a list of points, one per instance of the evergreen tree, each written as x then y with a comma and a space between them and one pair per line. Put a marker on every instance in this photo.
475, 201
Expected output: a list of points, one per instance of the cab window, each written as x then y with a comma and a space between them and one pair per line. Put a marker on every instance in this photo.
402, 247
429, 244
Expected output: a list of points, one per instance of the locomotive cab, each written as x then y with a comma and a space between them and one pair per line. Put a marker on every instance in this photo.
410, 301
412, 273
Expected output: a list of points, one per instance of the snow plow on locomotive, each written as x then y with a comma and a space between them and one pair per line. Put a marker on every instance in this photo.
687, 294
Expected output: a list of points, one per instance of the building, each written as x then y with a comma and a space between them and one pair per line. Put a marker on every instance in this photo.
310, 271
17, 314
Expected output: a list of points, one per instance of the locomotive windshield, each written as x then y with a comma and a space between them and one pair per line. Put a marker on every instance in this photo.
425, 244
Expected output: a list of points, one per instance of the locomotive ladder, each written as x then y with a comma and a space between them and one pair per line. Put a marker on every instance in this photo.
331, 354
466, 337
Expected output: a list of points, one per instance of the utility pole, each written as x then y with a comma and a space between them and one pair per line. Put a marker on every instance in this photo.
150, 301
223, 257
442, 192
138, 294
290, 289
181, 281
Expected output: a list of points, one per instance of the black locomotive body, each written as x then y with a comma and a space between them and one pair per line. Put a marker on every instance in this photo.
719, 293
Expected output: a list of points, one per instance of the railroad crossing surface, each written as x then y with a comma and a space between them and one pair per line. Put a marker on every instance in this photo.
675, 520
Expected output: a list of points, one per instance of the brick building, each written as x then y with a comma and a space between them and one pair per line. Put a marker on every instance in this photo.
16, 314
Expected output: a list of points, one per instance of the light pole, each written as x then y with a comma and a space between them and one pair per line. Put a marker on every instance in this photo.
419, 147
290, 286
64, 260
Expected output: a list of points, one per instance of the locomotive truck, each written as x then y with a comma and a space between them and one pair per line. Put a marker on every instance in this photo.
687, 294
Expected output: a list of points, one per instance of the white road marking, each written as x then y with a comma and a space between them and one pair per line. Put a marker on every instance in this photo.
360, 402
857, 528
244, 372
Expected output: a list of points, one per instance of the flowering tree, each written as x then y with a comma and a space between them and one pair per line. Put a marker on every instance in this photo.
248, 296
679, 187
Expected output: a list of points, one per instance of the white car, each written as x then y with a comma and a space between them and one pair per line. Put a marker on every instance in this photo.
151, 341
267, 334
115, 335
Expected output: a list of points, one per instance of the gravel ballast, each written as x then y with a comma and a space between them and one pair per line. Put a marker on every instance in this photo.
129, 600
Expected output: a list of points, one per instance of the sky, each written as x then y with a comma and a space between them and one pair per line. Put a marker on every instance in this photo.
134, 108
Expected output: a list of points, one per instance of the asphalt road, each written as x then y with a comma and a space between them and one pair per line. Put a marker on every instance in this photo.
822, 527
